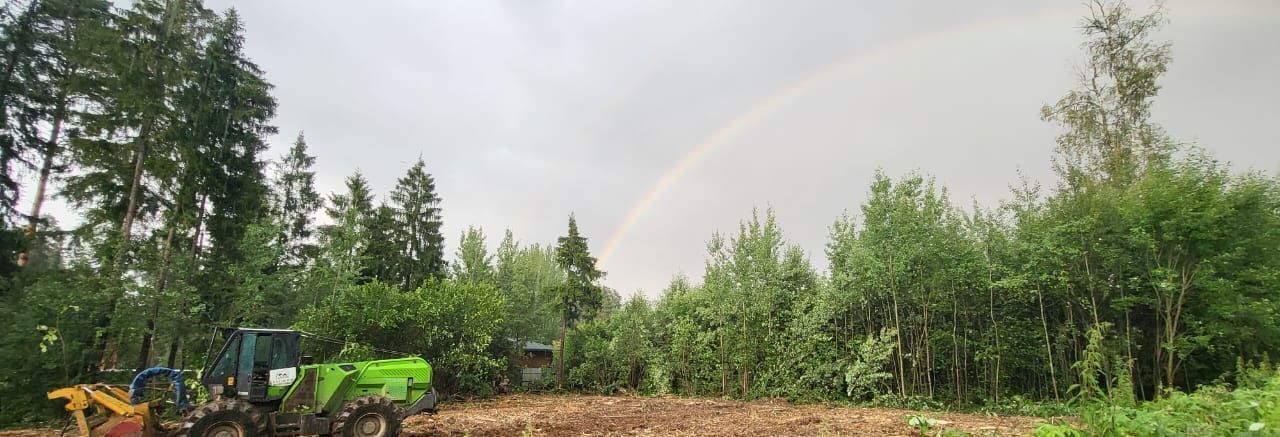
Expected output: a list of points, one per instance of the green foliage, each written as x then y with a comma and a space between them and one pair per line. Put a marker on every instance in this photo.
295, 201
54, 331
526, 277
862, 375
589, 359
1251, 406
613, 355
265, 293
1057, 430
1109, 135
923, 425
465, 319
918, 403
473, 263
417, 210
579, 296
1107, 404
451, 323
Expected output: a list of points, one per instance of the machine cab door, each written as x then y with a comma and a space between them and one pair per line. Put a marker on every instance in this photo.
254, 365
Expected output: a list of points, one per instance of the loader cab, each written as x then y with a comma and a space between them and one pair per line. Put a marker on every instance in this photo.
257, 365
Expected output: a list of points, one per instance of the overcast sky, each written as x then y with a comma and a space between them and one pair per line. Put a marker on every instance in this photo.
526, 111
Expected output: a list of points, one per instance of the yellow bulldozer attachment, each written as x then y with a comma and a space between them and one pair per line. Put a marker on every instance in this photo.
112, 414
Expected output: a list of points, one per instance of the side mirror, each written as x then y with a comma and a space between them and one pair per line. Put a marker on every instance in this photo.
307, 360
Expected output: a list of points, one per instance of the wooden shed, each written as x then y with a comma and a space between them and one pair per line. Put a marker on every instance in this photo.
535, 362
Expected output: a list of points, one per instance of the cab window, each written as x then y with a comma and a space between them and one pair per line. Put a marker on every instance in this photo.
262, 353
226, 362
281, 352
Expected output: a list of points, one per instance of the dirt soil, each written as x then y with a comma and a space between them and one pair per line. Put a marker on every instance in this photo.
33, 432
583, 415
580, 415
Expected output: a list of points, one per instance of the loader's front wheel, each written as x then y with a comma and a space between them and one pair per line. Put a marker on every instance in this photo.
224, 418
368, 416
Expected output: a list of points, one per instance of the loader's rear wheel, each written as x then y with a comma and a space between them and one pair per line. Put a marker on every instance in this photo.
368, 416
224, 418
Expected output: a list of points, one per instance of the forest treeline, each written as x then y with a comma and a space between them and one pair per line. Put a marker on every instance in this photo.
1145, 258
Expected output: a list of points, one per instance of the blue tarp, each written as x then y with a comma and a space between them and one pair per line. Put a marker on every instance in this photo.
175, 376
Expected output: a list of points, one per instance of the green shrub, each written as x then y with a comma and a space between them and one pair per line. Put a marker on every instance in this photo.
1251, 407
1057, 430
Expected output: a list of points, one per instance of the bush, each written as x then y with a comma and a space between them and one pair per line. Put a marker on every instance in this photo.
451, 324
864, 373
1211, 410
1252, 406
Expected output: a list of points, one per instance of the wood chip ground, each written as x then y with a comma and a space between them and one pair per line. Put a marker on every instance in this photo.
587, 415
583, 415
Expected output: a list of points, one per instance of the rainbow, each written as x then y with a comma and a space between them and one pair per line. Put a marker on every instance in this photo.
858, 61
787, 94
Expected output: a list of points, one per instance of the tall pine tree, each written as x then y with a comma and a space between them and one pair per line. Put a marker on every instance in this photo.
342, 242
418, 210
126, 144
381, 249
222, 117
43, 50
296, 200
130, 152
580, 295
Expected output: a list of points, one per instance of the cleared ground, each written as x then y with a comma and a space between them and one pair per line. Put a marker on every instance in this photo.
582, 415
670, 416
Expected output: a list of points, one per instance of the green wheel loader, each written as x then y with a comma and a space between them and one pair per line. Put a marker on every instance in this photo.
260, 385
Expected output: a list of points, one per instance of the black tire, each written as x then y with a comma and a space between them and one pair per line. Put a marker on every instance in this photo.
223, 418
368, 416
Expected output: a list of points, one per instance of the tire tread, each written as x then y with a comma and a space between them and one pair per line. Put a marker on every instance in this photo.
373, 402
221, 406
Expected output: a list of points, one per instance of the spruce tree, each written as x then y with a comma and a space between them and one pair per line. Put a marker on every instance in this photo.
296, 200
42, 51
418, 211
350, 213
223, 115
238, 108
381, 250
579, 296
17, 44
125, 143
342, 242
128, 147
